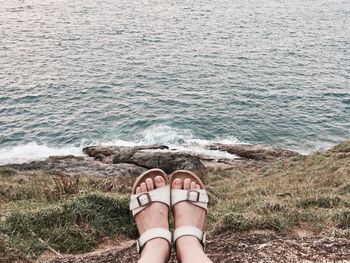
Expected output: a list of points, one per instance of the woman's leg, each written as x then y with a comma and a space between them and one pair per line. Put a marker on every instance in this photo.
188, 248
155, 215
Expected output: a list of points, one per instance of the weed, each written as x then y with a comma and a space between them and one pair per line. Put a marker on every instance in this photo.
237, 221
322, 202
7, 171
345, 189
66, 185
343, 219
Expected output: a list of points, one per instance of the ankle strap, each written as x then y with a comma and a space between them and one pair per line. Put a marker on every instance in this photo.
152, 234
189, 231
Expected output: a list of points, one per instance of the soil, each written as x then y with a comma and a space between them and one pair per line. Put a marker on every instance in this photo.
238, 247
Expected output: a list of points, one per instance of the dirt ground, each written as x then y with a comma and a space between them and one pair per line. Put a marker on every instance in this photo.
238, 247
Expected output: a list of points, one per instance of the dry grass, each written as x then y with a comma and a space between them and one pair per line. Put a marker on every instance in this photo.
71, 214
306, 190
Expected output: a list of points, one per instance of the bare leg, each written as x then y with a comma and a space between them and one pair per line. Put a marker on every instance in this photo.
155, 215
188, 248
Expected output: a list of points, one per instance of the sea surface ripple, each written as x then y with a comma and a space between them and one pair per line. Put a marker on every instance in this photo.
180, 72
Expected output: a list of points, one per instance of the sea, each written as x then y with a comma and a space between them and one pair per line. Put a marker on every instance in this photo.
184, 73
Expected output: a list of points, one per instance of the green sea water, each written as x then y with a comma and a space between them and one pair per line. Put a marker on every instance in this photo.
182, 73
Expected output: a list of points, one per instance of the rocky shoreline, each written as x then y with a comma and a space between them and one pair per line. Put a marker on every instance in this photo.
127, 160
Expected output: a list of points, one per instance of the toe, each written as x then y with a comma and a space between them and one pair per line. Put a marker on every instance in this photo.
198, 186
143, 187
149, 184
159, 181
138, 190
177, 183
187, 184
193, 185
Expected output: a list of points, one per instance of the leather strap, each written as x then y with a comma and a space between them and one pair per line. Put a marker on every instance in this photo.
198, 197
140, 201
189, 231
152, 234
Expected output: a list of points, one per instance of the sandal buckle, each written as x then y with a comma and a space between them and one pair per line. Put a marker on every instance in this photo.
144, 199
193, 195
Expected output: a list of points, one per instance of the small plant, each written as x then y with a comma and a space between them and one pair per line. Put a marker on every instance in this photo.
343, 219
7, 171
322, 202
66, 184
62, 185
272, 207
237, 221
345, 189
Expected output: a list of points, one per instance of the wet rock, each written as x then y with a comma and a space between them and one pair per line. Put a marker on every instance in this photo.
92, 151
124, 155
120, 154
80, 166
256, 152
167, 160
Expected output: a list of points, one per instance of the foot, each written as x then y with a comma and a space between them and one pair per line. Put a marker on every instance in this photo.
189, 248
154, 216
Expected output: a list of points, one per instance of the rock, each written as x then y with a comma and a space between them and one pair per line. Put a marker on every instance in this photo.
124, 155
145, 156
120, 154
92, 151
127, 169
343, 147
256, 152
80, 166
167, 160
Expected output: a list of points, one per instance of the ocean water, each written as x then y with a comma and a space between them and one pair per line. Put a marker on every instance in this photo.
177, 72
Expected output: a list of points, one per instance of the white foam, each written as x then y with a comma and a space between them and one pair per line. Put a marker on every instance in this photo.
322, 147
184, 141
166, 135
181, 140
33, 151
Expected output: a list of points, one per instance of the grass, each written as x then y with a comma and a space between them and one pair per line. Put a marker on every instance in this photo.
72, 227
41, 210
287, 194
68, 214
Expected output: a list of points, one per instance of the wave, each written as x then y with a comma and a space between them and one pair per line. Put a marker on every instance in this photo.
176, 139
181, 140
33, 151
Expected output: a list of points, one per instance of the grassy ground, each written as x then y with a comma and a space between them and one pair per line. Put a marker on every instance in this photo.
41, 211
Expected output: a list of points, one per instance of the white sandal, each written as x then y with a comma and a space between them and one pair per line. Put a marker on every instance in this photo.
140, 201
198, 197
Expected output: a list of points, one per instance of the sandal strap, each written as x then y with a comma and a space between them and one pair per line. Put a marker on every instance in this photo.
152, 234
198, 197
140, 201
190, 231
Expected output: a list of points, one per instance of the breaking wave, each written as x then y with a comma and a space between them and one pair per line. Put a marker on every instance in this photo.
182, 140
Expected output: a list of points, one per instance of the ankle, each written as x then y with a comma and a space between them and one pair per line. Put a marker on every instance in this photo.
187, 247
156, 250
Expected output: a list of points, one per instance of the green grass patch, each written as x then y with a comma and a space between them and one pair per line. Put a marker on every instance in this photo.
72, 227
322, 202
